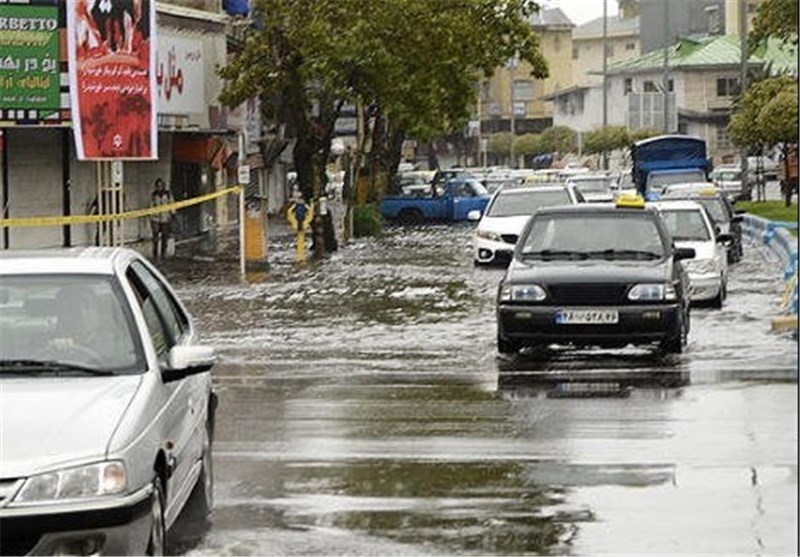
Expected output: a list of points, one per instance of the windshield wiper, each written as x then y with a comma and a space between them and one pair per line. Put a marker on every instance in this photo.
554, 254
23, 367
625, 253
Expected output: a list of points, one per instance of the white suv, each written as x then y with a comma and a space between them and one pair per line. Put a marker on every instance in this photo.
106, 405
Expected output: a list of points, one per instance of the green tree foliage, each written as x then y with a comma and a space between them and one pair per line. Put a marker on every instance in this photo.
643, 133
529, 144
766, 114
775, 18
559, 139
412, 63
499, 144
605, 139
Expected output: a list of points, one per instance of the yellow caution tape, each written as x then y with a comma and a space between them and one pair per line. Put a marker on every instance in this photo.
90, 219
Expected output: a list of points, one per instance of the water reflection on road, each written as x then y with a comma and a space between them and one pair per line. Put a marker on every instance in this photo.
363, 410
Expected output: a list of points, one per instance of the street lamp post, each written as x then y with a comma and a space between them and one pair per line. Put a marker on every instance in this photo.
605, 77
512, 65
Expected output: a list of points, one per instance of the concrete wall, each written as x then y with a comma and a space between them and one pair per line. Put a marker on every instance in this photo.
589, 56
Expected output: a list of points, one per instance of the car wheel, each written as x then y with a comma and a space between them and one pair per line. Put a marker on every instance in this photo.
157, 542
506, 346
410, 217
675, 342
201, 501
716, 303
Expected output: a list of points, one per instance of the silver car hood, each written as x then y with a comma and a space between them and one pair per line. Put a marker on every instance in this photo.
48, 422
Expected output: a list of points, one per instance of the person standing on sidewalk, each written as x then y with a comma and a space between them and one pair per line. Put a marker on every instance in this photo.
161, 223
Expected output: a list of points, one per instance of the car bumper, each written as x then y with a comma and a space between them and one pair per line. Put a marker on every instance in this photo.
636, 325
489, 252
119, 526
704, 287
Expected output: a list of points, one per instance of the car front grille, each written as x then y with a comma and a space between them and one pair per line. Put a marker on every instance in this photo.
588, 294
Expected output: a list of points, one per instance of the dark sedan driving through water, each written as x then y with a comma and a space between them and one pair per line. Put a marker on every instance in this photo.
594, 275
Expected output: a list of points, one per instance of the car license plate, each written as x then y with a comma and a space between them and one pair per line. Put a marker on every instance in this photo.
587, 316
581, 389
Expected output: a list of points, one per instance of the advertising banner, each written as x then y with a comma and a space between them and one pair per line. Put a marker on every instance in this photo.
180, 75
29, 62
112, 77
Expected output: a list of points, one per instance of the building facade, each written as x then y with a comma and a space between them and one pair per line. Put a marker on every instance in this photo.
42, 176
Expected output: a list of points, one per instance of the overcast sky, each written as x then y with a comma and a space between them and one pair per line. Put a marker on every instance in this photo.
581, 11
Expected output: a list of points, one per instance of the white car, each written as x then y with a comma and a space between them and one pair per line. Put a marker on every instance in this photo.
106, 405
690, 226
505, 216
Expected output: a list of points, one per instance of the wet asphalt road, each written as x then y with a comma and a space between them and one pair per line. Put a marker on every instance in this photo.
364, 411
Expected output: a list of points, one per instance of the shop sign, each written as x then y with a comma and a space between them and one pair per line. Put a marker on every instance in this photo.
180, 75
29, 62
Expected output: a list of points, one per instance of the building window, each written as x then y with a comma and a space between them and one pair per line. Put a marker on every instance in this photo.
727, 86
628, 85
610, 50
650, 87
523, 90
486, 90
670, 86
723, 141
630, 46
574, 52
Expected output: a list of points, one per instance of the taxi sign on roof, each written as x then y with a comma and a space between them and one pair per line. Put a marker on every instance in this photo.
630, 201
708, 191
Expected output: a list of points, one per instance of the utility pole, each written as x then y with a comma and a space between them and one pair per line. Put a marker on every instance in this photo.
605, 77
743, 85
512, 65
665, 83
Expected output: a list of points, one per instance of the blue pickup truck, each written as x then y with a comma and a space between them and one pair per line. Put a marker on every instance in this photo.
451, 201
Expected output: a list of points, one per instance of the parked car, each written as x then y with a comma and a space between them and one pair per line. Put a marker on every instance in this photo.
506, 214
594, 274
726, 218
690, 227
451, 202
106, 405
728, 178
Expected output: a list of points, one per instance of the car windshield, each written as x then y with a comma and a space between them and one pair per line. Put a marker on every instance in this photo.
686, 225
729, 176
526, 202
66, 320
584, 235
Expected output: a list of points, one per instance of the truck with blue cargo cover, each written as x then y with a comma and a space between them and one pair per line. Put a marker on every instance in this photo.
668, 159
451, 201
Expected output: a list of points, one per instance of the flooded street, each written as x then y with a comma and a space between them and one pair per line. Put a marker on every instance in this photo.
364, 411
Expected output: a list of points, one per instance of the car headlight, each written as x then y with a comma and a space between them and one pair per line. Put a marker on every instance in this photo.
488, 235
521, 293
652, 292
701, 266
93, 480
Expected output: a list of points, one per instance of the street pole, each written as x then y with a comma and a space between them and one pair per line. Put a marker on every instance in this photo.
513, 65
743, 85
665, 83
605, 77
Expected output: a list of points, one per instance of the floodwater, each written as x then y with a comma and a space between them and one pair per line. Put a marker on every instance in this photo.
364, 411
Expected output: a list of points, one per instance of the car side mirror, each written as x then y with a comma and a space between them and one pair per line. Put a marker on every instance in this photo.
738, 211
683, 253
724, 239
183, 361
737, 218
474, 215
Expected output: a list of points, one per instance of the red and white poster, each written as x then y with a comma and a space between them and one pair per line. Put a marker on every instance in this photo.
112, 78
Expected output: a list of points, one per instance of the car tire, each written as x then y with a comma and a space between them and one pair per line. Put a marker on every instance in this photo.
157, 542
506, 346
718, 301
410, 217
201, 501
675, 342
